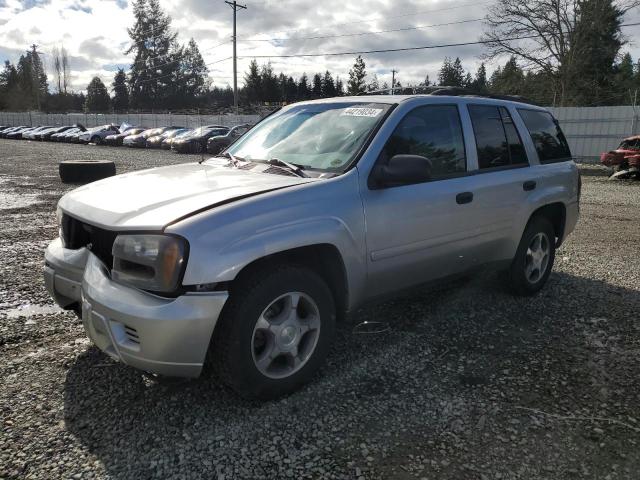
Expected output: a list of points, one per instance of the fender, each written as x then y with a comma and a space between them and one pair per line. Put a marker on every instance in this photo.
224, 240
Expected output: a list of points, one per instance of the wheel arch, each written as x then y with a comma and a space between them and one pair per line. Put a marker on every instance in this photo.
323, 258
556, 213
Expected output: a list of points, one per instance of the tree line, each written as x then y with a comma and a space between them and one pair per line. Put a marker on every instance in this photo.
571, 56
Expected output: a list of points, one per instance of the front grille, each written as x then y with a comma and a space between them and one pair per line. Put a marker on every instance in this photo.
77, 234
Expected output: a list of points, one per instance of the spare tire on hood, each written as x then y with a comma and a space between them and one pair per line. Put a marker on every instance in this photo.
85, 171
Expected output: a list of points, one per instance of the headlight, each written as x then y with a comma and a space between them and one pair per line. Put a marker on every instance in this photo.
59, 223
149, 262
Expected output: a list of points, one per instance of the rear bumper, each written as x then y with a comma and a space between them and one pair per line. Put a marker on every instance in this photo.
167, 336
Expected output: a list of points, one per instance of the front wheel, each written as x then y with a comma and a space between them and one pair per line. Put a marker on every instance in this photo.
534, 258
275, 331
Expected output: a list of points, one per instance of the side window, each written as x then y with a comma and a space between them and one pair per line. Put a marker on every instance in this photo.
547, 137
497, 139
435, 132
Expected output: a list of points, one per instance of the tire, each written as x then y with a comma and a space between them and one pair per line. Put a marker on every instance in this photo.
85, 171
523, 278
239, 344
96, 140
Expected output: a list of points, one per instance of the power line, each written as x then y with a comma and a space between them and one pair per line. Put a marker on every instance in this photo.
170, 74
369, 20
174, 61
359, 34
403, 49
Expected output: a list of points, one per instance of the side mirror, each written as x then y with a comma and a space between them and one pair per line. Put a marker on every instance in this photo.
401, 170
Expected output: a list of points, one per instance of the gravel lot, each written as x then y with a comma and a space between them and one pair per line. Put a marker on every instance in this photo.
468, 383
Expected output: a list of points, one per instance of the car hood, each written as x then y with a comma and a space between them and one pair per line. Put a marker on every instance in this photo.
151, 199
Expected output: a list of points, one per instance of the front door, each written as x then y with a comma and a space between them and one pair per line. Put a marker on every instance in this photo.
423, 231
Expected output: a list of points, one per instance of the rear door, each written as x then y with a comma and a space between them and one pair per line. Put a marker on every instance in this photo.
503, 180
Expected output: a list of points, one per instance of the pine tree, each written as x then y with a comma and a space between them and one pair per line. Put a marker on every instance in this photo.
304, 92
97, 97
373, 84
451, 73
479, 84
316, 89
597, 41
339, 87
357, 75
154, 71
10, 93
120, 91
252, 83
32, 80
508, 80
193, 76
328, 86
269, 91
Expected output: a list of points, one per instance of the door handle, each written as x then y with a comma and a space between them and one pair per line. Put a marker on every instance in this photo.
464, 197
529, 185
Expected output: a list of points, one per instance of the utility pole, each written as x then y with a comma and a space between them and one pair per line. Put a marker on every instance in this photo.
235, 5
393, 80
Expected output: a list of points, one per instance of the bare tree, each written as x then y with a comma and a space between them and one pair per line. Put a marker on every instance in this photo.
541, 34
66, 73
57, 67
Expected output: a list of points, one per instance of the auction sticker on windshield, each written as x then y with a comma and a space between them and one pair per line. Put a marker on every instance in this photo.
361, 112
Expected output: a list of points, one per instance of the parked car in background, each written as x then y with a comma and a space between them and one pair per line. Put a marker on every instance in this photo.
17, 134
31, 134
4, 133
218, 143
196, 141
155, 141
140, 140
623, 157
72, 136
117, 138
167, 142
60, 136
96, 135
46, 135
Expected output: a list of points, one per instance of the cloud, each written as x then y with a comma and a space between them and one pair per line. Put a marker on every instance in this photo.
94, 32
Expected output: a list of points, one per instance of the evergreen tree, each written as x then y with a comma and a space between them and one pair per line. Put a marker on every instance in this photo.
328, 87
426, 82
316, 89
304, 91
120, 91
508, 80
193, 81
451, 73
154, 71
97, 97
357, 77
290, 90
596, 43
252, 83
479, 83
269, 84
373, 84
10, 93
339, 87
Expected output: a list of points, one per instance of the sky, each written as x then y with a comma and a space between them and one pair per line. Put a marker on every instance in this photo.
94, 33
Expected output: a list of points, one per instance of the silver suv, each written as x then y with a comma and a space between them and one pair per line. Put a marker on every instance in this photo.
246, 260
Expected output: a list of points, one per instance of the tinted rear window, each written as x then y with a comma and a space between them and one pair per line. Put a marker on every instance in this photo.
547, 137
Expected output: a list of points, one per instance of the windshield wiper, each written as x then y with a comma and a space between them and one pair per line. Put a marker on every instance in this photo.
296, 169
234, 160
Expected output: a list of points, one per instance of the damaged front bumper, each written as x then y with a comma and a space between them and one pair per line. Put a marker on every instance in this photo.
167, 336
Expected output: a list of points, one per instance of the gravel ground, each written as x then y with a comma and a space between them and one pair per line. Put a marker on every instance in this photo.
468, 382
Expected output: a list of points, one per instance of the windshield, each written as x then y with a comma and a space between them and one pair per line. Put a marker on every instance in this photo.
324, 136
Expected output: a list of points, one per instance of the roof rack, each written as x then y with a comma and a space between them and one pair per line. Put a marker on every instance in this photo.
440, 90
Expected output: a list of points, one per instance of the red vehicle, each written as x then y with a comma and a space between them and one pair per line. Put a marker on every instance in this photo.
625, 157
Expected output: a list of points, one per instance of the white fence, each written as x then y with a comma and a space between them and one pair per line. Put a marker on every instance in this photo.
589, 130
593, 130
144, 119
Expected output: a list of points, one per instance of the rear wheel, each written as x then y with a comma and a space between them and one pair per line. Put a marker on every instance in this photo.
96, 140
275, 331
534, 258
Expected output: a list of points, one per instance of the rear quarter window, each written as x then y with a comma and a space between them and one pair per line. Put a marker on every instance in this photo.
548, 139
